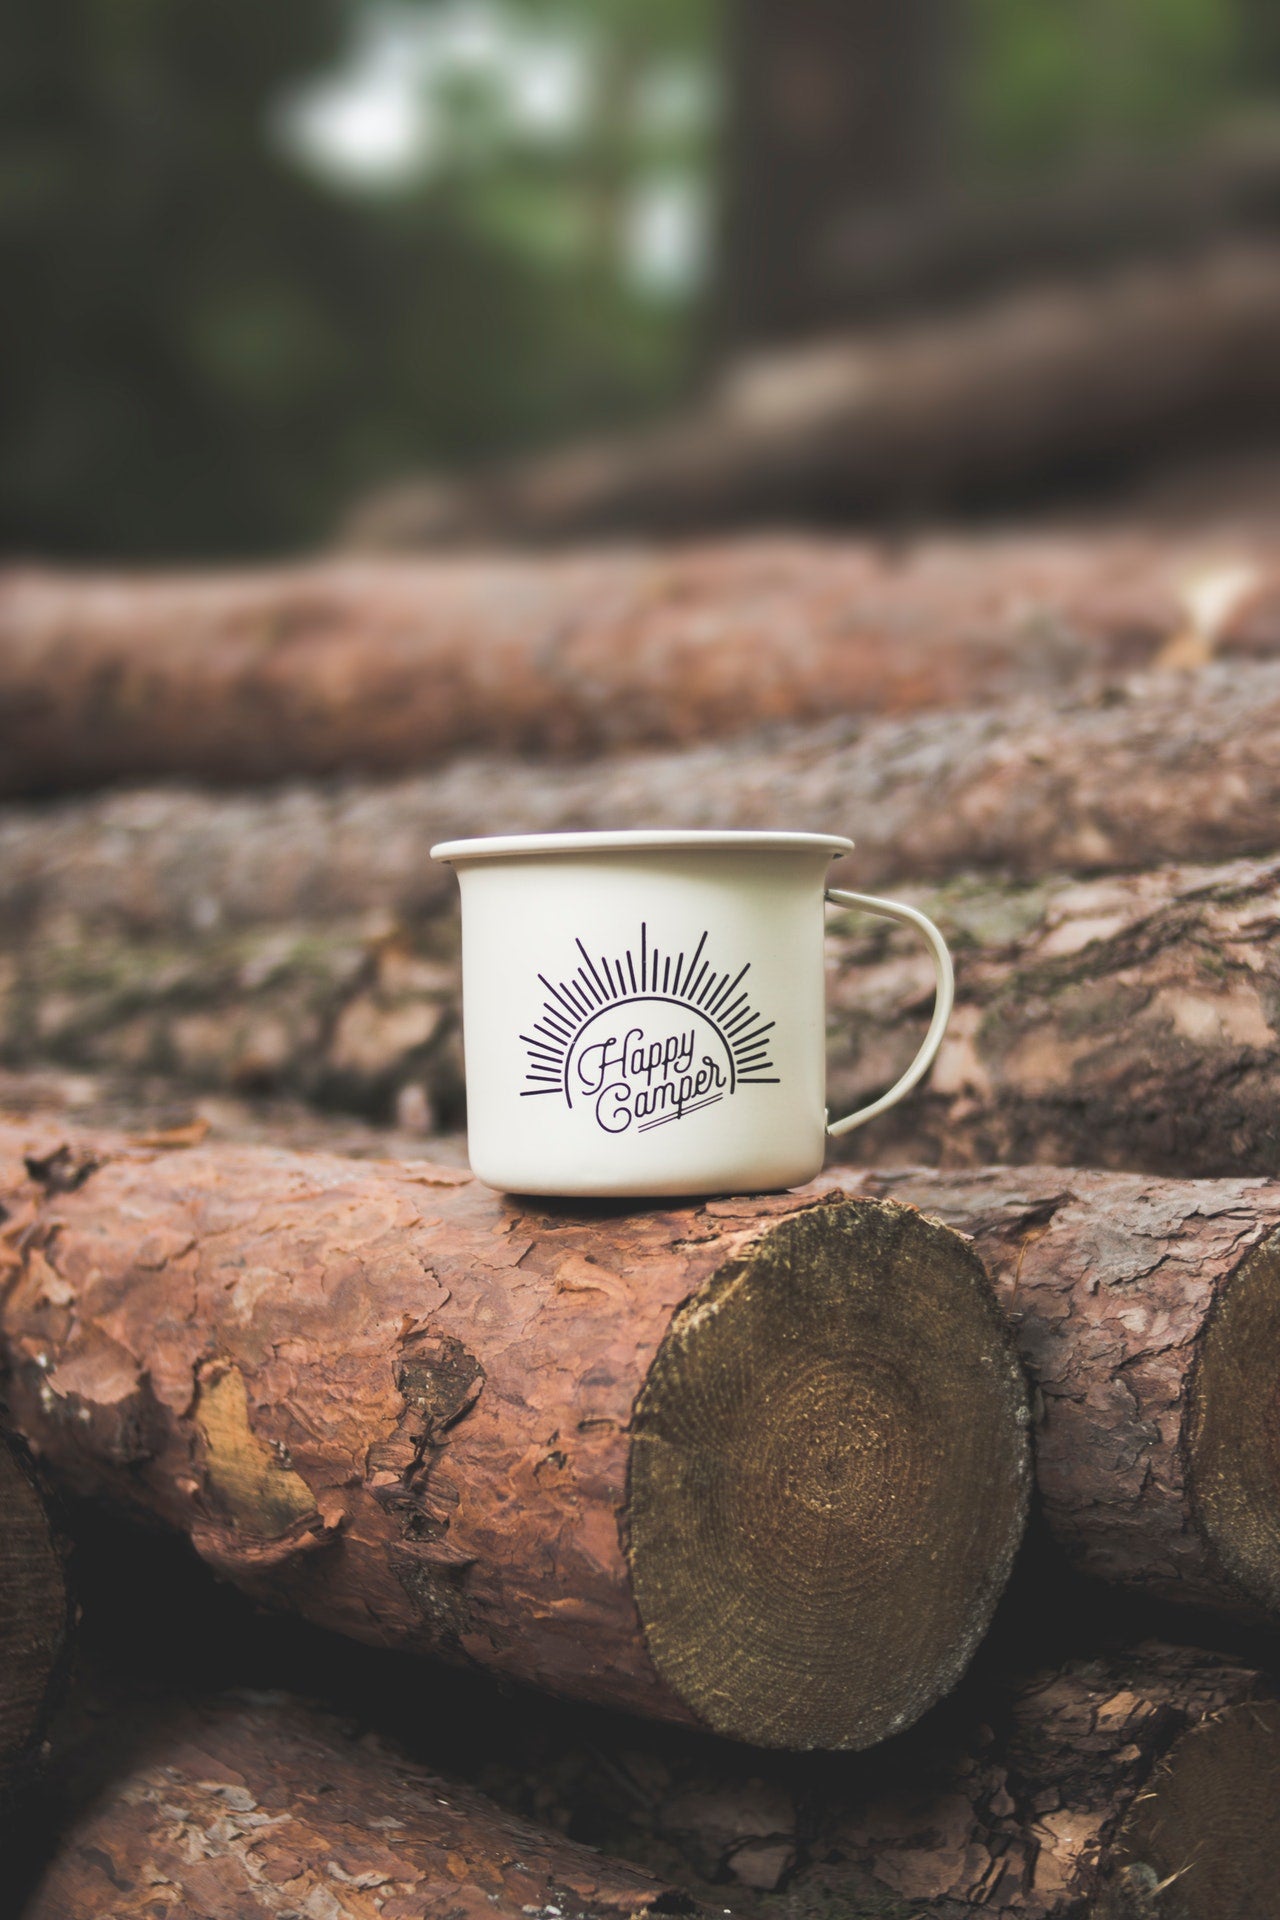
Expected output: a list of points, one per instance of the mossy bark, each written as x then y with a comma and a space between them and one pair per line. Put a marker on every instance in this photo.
758, 1463
35, 1618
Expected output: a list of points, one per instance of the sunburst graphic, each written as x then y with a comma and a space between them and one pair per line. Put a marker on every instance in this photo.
580, 1023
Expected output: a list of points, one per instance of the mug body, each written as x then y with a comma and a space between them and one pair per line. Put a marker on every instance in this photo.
644, 1012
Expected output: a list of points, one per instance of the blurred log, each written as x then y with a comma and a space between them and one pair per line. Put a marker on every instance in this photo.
1062, 380
1164, 766
629, 1457
35, 1616
219, 1809
1147, 1315
1126, 1022
382, 666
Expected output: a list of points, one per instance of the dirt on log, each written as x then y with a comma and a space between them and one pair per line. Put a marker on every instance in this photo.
218, 1809
387, 666
35, 1618
1147, 1315
1005, 394
759, 1463
1129, 1021
1159, 767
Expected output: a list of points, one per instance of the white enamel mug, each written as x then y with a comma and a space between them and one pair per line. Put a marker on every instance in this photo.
644, 1012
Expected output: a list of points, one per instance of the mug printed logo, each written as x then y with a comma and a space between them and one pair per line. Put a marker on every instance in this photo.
645, 1038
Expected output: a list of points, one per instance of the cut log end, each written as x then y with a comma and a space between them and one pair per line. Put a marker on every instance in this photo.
1234, 1445
1203, 1843
34, 1613
814, 1422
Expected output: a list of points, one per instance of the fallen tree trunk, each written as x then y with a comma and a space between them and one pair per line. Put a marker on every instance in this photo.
35, 1616
1163, 767
637, 1458
232, 1806
391, 666
1035, 385
1127, 1022
1147, 1315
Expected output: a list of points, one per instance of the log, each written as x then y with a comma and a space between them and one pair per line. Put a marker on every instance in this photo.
1130, 1022
386, 666
35, 1617
760, 1464
1161, 767
1123, 1022
1026, 388
234, 1806
1147, 1315
1126, 1787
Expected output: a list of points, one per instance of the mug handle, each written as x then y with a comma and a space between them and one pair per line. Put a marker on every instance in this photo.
943, 1000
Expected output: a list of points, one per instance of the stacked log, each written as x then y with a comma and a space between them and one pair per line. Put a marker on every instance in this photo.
349, 666
235, 1806
761, 1464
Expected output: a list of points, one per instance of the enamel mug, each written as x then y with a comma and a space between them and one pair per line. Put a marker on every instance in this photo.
644, 1012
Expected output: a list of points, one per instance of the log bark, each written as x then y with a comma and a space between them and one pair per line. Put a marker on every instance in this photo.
236, 1806
1124, 1022
35, 1617
1161, 767
1126, 1787
387, 666
1023, 389
660, 1459
1147, 1315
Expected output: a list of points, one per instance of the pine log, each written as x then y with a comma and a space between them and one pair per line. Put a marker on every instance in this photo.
1123, 1022
1128, 1788
35, 1616
1022, 390
1162, 767
386, 666
759, 1463
1147, 1315
230, 1807
1074, 1787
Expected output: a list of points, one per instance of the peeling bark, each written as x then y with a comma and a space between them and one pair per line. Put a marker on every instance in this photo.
1147, 1315
635, 1457
344, 666
239, 1806
35, 1616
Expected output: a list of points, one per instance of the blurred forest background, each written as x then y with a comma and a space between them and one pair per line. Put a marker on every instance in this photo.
259, 259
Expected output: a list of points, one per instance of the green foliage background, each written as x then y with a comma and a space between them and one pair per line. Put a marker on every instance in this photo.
205, 349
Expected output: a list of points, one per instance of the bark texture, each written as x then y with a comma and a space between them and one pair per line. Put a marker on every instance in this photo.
1003, 395
662, 1459
390, 666
1147, 1315
232, 1807
1160, 767
1123, 1022
1131, 1021
1138, 1787
35, 1615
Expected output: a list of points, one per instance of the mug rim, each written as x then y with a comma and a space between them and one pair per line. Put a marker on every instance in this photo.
639, 840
